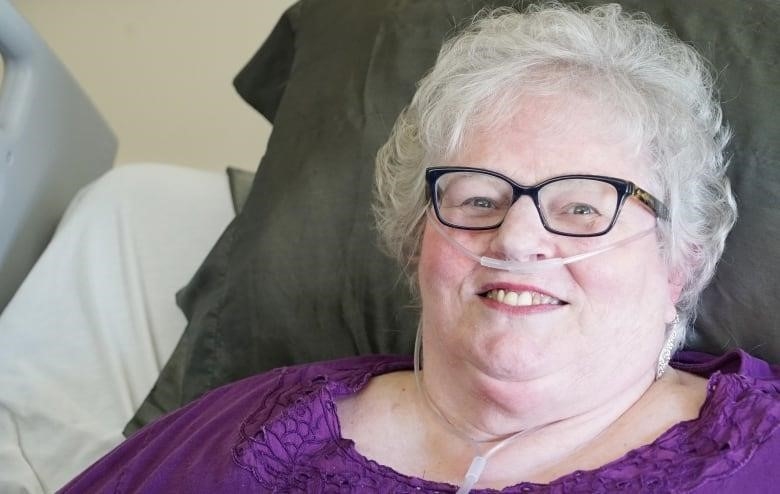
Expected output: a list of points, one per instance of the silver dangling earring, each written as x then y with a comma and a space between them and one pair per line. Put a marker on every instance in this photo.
666, 351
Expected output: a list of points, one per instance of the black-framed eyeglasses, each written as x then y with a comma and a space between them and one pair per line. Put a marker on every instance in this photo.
571, 205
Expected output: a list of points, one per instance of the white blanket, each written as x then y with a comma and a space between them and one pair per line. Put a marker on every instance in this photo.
83, 340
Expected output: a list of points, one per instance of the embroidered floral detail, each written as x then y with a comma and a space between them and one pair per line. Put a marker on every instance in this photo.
278, 437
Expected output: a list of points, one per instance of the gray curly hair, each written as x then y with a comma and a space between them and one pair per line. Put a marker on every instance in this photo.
657, 83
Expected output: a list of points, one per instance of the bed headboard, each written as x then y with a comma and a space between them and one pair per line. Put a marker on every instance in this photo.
52, 142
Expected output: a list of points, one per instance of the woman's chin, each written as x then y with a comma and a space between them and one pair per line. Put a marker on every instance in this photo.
504, 363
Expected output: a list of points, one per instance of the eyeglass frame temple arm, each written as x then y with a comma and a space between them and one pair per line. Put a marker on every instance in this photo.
649, 201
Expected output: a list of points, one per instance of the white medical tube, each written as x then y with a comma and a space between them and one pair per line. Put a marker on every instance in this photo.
532, 266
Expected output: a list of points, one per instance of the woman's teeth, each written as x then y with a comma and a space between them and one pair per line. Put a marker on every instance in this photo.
519, 299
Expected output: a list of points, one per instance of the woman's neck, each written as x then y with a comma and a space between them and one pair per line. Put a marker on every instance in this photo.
542, 443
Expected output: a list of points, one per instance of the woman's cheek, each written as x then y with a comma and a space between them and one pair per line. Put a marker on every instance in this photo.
442, 267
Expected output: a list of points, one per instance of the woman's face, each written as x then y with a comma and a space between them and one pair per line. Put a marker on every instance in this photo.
587, 330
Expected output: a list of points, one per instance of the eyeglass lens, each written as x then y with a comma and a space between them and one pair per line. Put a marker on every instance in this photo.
578, 206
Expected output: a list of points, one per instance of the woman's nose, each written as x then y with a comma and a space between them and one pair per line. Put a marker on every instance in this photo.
522, 236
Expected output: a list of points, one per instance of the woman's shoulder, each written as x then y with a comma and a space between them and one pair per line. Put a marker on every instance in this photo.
270, 392
283, 385
729, 447
253, 424
743, 395
735, 441
734, 445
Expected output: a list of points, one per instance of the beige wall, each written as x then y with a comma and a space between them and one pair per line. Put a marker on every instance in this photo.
161, 71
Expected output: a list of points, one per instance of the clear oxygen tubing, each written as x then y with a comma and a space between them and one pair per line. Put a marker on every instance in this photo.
479, 462
532, 266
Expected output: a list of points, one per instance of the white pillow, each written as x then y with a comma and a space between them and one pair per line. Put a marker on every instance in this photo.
89, 330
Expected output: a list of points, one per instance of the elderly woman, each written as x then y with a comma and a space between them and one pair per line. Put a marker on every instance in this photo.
556, 193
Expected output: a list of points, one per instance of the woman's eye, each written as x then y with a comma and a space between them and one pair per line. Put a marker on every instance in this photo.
581, 209
479, 202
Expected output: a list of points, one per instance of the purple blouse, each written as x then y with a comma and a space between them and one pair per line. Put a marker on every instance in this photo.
279, 432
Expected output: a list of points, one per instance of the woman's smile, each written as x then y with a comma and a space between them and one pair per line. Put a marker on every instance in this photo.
520, 298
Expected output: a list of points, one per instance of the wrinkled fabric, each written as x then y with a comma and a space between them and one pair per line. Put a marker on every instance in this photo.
279, 432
